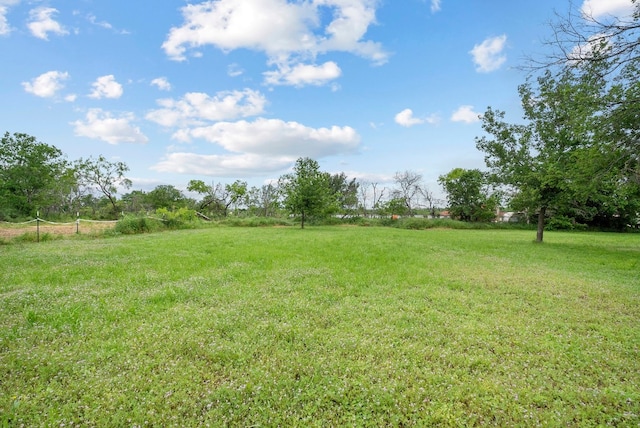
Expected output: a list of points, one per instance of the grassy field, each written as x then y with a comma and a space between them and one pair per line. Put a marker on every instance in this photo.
327, 326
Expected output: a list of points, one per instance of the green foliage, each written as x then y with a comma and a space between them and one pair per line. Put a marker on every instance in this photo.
560, 222
31, 237
131, 225
165, 196
264, 200
307, 191
469, 195
394, 207
547, 159
29, 174
346, 192
104, 177
337, 326
182, 218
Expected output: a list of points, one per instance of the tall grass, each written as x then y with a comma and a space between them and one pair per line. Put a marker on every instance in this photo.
327, 326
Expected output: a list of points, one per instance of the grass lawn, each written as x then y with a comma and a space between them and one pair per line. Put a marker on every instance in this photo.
327, 326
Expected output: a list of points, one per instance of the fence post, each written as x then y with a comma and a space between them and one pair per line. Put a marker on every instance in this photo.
77, 223
37, 226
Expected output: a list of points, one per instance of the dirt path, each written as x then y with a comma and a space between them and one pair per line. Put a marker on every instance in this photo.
11, 230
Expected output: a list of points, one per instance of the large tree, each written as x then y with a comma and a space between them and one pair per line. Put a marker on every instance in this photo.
546, 159
600, 52
166, 196
307, 191
30, 172
103, 176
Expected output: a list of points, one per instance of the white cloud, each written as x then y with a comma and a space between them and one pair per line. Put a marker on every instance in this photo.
244, 165
161, 83
41, 23
274, 137
257, 148
5, 28
406, 118
106, 87
289, 33
101, 125
234, 70
46, 85
465, 114
196, 107
104, 24
303, 74
596, 43
488, 55
435, 6
607, 8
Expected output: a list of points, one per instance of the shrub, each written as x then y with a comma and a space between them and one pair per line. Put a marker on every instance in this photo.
564, 223
134, 225
183, 218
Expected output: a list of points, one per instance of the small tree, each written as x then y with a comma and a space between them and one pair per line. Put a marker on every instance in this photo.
307, 191
264, 200
346, 192
469, 195
410, 189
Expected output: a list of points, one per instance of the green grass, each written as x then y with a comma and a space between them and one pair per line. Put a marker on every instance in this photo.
327, 326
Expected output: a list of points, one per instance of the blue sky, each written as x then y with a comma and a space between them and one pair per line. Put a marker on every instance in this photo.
239, 89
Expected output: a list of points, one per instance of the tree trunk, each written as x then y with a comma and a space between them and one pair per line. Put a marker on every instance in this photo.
541, 215
302, 227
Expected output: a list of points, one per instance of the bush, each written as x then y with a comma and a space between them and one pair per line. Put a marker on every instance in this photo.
183, 218
134, 225
564, 223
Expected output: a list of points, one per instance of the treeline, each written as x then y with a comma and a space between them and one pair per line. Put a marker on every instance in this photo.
36, 178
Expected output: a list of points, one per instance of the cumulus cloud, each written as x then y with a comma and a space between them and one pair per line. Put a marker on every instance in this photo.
596, 43
302, 74
607, 8
488, 55
244, 165
405, 118
41, 23
46, 85
289, 33
275, 137
5, 28
102, 125
196, 108
258, 147
435, 6
161, 83
106, 87
465, 114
